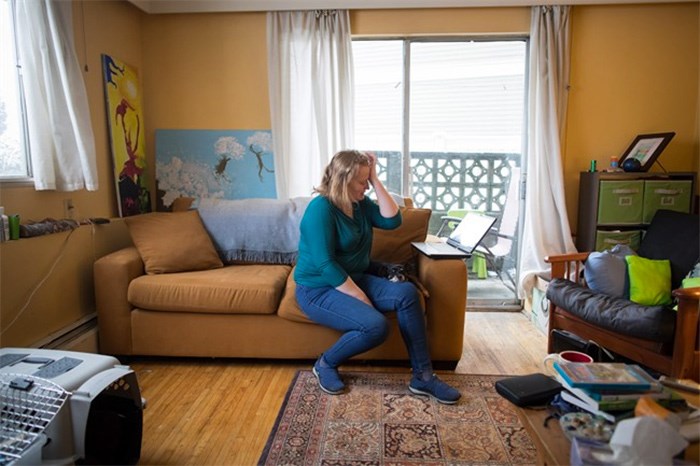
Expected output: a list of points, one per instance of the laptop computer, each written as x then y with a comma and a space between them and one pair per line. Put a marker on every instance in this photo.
462, 241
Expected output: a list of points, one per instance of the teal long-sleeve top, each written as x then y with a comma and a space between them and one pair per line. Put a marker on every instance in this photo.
333, 246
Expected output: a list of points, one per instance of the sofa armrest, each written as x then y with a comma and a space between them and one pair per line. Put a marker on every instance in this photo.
686, 360
567, 265
112, 275
446, 281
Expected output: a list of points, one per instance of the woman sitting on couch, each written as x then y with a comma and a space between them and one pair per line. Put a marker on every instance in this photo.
334, 288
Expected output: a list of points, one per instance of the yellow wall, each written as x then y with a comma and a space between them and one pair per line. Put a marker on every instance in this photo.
204, 71
634, 70
47, 281
36, 301
440, 21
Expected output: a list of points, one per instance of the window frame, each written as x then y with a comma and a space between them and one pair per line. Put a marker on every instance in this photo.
27, 177
406, 50
509, 300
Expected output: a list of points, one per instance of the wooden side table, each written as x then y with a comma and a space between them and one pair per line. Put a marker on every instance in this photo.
553, 448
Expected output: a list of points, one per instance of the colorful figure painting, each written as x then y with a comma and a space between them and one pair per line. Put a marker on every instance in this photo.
125, 118
224, 164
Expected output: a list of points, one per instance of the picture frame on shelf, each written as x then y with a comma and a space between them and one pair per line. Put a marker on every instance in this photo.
646, 148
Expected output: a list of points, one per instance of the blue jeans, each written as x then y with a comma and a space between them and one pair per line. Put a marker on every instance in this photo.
365, 327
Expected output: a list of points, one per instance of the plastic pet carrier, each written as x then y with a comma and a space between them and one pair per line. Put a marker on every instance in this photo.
61, 407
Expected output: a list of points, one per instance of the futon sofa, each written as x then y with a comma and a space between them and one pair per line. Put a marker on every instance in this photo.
170, 295
661, 334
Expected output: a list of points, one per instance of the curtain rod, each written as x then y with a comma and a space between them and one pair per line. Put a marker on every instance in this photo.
220, 6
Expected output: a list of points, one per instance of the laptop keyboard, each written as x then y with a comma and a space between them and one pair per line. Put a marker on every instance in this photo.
442, 248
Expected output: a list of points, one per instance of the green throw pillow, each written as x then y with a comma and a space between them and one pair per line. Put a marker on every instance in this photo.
650, 280
691, 282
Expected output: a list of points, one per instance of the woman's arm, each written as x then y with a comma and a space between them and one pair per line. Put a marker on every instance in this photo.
387, 205
350, 288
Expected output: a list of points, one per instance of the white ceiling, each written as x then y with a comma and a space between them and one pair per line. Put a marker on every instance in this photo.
213, 6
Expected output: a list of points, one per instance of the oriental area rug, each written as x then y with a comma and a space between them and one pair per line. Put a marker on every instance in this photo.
377, 421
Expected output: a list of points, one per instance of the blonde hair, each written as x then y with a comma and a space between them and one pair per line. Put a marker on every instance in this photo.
337, 176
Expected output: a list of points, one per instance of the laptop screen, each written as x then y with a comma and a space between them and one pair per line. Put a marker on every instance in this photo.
471, 230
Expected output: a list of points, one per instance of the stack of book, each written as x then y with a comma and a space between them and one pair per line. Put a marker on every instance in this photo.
611, 390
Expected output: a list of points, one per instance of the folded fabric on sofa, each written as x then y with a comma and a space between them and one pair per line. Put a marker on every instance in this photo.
254, 230
655, 323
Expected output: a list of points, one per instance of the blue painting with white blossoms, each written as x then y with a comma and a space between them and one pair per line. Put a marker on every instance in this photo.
220, 164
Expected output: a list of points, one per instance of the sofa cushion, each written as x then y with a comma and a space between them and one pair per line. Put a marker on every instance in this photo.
172, 242
394, 246
655, 323
650, 280
289, 309
235, 289
606, 271
673, 236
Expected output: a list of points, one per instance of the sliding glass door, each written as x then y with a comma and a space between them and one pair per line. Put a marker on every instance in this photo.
447, 120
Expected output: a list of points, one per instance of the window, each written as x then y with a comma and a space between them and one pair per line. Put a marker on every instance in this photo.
445, 116
13, 148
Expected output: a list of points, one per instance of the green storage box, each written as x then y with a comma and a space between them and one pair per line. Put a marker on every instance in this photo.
620, 202
665, 194
605, 239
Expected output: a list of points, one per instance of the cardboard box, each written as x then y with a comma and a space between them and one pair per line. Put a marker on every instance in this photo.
539, 313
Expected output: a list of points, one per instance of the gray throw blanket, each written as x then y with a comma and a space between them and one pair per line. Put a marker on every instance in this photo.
254, 230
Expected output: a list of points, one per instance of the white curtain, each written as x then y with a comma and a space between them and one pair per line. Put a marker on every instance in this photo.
311, 94
61, 141
546, 229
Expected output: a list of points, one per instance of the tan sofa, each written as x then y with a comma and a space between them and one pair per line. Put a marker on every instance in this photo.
246, 310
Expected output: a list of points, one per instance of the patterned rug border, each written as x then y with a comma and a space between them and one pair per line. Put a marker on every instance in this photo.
280, 416
515, 445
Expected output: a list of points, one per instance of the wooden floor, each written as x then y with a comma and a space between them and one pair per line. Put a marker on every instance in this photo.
221, 411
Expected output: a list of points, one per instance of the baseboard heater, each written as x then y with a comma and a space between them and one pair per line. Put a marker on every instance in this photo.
64, 407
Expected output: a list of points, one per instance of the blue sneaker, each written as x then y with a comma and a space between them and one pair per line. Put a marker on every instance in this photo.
434, 388
328, 379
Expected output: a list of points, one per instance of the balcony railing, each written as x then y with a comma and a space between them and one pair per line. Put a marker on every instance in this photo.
443, 181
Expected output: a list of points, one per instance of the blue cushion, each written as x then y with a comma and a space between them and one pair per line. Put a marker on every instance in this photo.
606, 272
